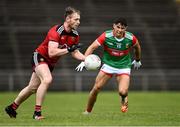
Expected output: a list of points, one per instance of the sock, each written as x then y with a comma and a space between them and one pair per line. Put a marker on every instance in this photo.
38, 108
14, 105
123, 97
89, 109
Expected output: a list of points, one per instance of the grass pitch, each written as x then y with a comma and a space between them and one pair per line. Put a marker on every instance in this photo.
65, 109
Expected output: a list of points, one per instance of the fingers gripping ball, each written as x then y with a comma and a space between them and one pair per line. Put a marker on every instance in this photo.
92, 62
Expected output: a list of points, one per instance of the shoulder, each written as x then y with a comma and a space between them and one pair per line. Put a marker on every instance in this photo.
129, 35
53, 29
75, 32
53, 33
108, 33
59, 29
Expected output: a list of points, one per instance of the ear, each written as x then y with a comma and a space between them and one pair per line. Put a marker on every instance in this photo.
67, 18
114, 25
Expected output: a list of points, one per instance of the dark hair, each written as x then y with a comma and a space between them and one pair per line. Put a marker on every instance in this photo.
122, 21
70, 10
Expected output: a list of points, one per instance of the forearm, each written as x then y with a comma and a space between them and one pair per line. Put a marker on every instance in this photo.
89, 51
57, 52
54, 50
91, 48
138, 52
78, 55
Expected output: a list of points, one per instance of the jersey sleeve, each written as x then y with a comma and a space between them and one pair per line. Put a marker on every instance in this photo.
134, 40
53, 36
101, 38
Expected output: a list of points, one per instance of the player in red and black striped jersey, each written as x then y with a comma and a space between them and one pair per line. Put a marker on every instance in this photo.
59, 37
60, 40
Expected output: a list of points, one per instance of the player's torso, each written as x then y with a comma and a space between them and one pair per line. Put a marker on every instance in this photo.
65, 38
59, 35
117, 51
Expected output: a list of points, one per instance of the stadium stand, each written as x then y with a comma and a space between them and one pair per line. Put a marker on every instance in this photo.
23, 26
6, 55
167, 47
157, 13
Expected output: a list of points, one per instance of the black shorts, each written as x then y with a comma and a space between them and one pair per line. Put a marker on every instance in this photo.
38, 59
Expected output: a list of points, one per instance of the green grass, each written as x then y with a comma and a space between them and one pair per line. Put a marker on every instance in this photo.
145, 108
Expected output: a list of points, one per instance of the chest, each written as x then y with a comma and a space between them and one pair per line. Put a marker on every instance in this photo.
123, 44
67, 40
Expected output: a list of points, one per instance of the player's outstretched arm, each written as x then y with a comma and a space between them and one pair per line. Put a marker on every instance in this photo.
137, 62
89, 51
92, 47
78, 55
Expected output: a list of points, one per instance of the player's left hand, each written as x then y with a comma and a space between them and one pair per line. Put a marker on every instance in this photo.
80, 66
137, 64
74, 47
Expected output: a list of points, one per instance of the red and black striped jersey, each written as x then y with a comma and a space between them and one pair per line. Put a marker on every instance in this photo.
57, 34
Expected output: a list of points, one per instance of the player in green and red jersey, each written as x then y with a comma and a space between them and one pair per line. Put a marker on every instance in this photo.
117, 44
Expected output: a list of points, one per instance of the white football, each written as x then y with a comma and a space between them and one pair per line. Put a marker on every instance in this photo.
92, 62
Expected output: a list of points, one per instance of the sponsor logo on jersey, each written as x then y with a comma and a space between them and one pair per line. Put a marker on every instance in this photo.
115, 52
62, 37
127, 45
73, 39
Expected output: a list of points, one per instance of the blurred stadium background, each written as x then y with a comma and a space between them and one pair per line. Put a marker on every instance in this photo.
24, 23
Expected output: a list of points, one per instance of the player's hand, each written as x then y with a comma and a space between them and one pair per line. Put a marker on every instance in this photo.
137, 64
80, 66
74, 47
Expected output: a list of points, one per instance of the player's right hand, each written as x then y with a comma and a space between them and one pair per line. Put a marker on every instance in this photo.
80, 66
74, 47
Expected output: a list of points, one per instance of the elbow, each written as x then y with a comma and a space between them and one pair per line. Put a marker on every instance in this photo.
51, 54
94, 48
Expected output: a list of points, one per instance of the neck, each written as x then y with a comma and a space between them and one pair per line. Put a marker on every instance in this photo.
66, 27
119, 37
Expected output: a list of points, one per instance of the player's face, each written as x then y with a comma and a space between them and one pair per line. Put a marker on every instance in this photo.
74, 21
119, 30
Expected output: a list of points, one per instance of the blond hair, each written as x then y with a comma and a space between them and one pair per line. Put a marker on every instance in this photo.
70, 10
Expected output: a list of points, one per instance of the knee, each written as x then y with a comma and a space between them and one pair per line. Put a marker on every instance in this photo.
95, 90
47, 80
123, 92
97, 86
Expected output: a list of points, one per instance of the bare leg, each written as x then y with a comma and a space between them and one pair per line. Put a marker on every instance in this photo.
46, 78
101, 79
123, 83
23, 95
28, 90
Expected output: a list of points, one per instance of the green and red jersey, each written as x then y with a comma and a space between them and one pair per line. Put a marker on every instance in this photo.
117, 51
